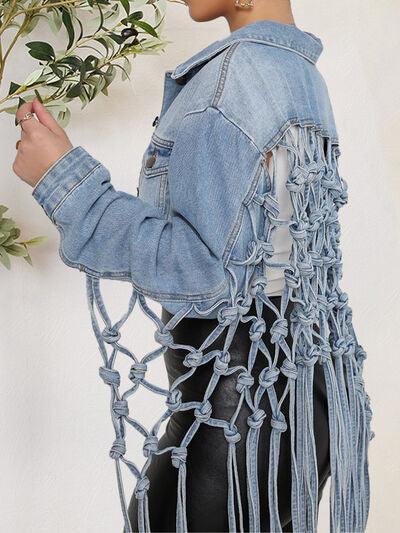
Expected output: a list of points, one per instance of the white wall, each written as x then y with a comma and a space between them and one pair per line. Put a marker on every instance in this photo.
55, 430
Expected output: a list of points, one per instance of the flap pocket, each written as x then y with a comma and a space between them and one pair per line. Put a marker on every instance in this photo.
156, 160
153, 180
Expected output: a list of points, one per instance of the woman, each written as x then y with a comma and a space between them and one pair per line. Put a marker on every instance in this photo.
235, 232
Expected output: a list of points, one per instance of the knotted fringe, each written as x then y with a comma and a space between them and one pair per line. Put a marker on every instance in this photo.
179, 455
233, 481
322, 332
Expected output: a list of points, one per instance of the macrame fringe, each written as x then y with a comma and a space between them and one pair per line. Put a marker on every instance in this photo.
312, 282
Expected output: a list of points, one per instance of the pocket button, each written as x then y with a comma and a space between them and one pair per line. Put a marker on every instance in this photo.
151, 160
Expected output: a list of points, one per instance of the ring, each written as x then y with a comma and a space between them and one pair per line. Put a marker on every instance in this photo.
17, 144
27, 116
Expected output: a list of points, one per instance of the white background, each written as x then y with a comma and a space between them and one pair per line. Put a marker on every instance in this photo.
55, 430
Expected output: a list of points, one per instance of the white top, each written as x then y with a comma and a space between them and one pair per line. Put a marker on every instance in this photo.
281, 238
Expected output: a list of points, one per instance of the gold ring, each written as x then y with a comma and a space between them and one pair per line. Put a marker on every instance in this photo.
27, 116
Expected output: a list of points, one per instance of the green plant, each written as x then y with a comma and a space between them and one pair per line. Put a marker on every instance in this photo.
9, 234
102, 36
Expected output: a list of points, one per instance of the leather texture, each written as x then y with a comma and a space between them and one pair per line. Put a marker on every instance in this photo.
207, 453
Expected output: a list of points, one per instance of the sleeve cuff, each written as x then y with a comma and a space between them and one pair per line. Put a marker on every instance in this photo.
62, 177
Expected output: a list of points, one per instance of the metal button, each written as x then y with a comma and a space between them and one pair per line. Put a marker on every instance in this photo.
151, 160
156, 121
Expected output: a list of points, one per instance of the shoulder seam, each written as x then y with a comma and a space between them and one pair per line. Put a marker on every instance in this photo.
228, 119
223, 72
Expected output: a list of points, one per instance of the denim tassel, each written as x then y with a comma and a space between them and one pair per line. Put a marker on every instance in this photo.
233, 436
322, 332
179, 455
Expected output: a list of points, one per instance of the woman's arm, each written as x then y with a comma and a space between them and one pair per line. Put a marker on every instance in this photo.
212, 167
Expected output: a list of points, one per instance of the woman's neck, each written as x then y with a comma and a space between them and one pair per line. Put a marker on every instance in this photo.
276, 10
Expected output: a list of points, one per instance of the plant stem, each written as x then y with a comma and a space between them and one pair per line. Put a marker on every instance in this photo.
36, 8
14, 40
10, 17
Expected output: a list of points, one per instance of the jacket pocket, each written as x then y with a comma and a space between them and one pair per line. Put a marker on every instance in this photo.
153, 179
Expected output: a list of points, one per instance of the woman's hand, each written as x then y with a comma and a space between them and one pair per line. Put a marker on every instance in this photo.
42, 143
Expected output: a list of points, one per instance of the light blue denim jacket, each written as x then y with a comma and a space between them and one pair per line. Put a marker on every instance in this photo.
222, 111
197, 238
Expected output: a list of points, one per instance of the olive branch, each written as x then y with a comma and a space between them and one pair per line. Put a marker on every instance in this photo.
113, 31
102, 38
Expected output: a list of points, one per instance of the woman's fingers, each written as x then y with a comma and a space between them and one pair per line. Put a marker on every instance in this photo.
26, 107
30, 125
42, 142
45, 117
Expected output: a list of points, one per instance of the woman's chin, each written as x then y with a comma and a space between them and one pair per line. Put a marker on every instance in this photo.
202, 11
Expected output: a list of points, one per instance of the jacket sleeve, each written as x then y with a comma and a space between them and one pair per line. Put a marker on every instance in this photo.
113, 234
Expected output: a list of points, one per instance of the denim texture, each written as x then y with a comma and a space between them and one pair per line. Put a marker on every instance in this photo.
196, 239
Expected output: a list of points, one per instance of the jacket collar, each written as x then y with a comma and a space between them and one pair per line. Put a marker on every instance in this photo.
264, 31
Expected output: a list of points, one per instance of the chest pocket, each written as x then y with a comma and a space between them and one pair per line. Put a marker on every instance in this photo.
153, 178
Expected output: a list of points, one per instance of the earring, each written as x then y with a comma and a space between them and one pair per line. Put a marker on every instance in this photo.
244, 3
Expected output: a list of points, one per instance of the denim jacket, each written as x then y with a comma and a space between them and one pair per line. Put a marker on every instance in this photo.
197, 237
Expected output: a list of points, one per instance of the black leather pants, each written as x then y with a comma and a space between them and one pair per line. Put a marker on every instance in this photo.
207, 482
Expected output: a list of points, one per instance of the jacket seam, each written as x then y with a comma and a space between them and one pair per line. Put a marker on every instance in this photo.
35, 188
239, 217
59, 204
295, 121
127, 276
233, 232
303, 52
227, 118
223, 73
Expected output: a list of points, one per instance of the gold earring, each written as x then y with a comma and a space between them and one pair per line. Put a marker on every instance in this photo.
244, 3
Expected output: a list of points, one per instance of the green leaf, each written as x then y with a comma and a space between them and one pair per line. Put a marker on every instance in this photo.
91, 62
3, 209
15, 233
80, 29
101, 17
11, 110
6, 224
28, 259
13, 88
35, 240
126, 69
84, 97
83, 71
31, 25
64, 117
72, 61
55, 21
137, 15
74, 91
38, 95
58, 72
4, 258
41, 50
110, 74
125, 5
15, 249
116, 37
67, 21
102, 41
4, 237
33, 77
146, 27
